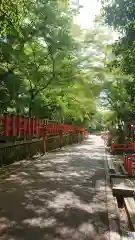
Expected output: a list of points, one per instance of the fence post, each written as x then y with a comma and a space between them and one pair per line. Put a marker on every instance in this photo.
18, 125
12, 125
29, 126
37, 127
6, 125
24, 126
130, 166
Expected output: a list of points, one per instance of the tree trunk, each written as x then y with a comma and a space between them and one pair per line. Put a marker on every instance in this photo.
30, 105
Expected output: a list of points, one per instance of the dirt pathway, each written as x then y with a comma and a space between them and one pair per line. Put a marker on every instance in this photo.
60, 196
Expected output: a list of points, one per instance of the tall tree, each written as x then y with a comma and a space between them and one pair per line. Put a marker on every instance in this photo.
120, 15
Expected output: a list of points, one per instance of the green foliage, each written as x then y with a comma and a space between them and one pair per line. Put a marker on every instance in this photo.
121, 90
120, 14
49, 66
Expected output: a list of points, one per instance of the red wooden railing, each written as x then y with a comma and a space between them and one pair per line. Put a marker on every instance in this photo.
123, 147
11, 125
129, 160
16, 126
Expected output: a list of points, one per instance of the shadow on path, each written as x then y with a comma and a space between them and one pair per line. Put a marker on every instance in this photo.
60, 196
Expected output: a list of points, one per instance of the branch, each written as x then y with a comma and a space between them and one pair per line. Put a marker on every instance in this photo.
30, 84
76, 100
34, 57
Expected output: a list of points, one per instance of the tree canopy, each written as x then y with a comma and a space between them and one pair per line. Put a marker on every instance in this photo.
52, 68
120, 14
48, 64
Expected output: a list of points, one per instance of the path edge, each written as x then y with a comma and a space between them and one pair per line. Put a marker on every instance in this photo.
111, 203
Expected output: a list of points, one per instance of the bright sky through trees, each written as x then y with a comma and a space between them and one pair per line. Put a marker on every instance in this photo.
90, 8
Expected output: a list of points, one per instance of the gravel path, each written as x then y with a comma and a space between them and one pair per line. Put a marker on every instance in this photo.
60, 196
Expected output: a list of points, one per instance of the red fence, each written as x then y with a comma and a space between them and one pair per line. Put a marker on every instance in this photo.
11, 125
123, 147
129, 160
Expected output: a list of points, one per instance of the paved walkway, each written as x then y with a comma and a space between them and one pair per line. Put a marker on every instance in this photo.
60, 196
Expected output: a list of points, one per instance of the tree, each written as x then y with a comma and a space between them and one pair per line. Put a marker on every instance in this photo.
120, 15
49, 66
37, 48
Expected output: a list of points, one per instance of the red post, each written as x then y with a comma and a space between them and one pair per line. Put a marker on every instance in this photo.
50, 128
29, 126
53, 128
57, 128
24, 125
32, 126
130, 166
12, 125
134, 147
126, 163
6, 125
37, 127
18, 125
